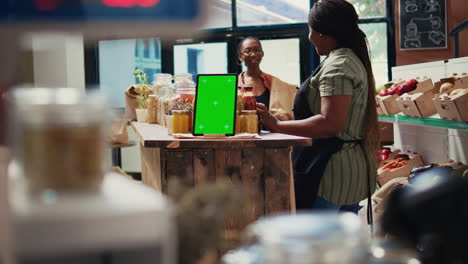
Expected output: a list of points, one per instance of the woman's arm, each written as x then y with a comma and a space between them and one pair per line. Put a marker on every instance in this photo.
331, 120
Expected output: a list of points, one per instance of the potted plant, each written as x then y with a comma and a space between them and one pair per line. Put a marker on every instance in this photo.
143, 90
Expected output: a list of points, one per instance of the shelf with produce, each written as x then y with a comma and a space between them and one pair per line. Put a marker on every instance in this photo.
432, 121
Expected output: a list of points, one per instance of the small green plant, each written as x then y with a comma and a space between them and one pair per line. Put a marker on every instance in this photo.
142, 97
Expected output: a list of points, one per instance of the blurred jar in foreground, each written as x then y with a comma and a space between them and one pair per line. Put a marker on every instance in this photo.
304, 238
59, 138
249, 121
180, 119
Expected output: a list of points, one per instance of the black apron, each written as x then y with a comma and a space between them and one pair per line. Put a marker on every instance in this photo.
309, 162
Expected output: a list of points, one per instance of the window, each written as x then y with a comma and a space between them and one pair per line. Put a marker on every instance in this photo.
369, 8
266, 12
281, 59
200, 58
376, 35
118, 59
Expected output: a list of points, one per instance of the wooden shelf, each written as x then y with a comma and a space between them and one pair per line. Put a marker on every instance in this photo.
432, 121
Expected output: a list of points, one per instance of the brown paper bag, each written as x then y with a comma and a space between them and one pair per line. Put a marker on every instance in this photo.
119, 134
282, 99
130, 103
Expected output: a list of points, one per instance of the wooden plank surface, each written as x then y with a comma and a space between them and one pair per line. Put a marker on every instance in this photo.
177, 164
151, 167
203, 166
277, 173
155, 136
253, 183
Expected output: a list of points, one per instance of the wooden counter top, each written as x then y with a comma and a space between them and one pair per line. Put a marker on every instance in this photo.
155, 136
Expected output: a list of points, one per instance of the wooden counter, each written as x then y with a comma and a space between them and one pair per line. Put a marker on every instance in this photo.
264, 163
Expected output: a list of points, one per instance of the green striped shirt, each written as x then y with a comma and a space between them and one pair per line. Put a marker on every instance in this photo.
345, 179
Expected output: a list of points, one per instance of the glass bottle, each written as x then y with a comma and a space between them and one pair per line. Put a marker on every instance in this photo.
180, 119
152, 116
250, 103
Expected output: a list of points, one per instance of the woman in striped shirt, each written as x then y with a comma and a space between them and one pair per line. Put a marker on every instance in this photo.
335, 106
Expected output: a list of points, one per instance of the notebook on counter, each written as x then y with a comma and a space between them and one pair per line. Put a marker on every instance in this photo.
215, 105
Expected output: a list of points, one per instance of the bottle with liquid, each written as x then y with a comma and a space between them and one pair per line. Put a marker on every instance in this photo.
250, 103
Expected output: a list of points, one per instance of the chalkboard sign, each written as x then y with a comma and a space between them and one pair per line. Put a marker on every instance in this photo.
423, 24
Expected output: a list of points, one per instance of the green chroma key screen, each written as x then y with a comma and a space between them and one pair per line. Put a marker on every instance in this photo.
215, 104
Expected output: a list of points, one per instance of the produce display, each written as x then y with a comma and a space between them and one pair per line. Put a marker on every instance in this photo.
400, 89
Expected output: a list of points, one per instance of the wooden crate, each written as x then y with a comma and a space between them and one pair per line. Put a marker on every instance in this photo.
387, 105
419, 101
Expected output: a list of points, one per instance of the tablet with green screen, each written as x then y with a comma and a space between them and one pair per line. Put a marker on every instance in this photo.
215, 104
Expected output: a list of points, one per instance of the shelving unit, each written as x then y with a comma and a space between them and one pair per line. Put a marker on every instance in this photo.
435, 139
424, 121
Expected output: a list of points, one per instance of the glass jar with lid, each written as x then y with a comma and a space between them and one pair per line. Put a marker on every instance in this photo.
180, 121
161, 84
184, 88
304, 238
250, 103
185, 93
59, 138
249, 121
166, 95
161, 80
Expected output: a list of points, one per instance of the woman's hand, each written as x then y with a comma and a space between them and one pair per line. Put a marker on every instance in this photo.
268, 120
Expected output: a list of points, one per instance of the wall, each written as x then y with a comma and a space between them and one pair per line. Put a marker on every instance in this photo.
58, 60
457, 12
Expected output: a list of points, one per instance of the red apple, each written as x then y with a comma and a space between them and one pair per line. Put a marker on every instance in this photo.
412, 83
383, 157
404, 89
394, 89
384, 92
385, 151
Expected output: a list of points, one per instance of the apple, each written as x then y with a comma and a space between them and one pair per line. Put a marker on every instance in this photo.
394, 89
383, 157
384, 92
385, 151
404, 89
412, 83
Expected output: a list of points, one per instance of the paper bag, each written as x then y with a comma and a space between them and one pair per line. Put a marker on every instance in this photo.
119, 134
282, 99
130, 103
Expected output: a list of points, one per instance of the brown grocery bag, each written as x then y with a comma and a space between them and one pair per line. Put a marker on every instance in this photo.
282, 99
130, 103
119, 133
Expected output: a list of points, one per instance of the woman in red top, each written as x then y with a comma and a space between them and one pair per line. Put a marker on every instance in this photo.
251, 53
